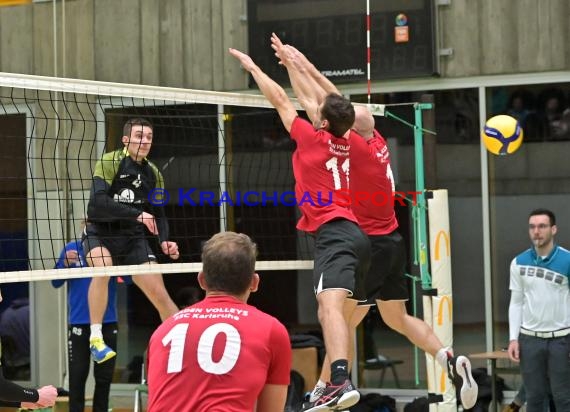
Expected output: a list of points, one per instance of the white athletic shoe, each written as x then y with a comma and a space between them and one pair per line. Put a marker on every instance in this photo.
459, 371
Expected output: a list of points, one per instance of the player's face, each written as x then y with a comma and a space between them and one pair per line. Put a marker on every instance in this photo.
540, 230
139, 142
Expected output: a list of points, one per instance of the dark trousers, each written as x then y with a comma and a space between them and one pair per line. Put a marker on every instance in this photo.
79, 362
545, 362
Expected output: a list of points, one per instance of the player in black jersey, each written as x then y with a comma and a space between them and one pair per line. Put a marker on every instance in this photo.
120, 221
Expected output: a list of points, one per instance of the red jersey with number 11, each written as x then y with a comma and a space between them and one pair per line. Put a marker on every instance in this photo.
321, 166
216, 356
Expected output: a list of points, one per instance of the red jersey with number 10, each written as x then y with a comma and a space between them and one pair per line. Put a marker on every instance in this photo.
372, 184
321, 166
216, 356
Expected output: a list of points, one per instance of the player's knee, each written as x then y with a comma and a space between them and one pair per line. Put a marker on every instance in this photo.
147, 281
99, 256
99, 282
330, 313
153, 287
392, 315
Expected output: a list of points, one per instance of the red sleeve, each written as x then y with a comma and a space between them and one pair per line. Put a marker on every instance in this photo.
378, 148
281, 356
359, 148
302, 131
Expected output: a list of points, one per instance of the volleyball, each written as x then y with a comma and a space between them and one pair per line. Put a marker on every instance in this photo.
502, 135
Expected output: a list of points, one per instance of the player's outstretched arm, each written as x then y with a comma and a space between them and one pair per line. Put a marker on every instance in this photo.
304, 65
270, 89
305, 88
309, 85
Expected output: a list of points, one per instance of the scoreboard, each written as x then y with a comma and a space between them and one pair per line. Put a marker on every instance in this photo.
332, 34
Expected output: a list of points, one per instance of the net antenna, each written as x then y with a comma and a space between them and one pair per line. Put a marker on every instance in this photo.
368, 53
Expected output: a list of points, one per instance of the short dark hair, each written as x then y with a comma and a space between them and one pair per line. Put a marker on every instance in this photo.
546, 212
137, 121
228, 262
339, 112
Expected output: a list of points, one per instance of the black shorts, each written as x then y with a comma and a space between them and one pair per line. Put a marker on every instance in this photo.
386, 279
342, 258
126, 248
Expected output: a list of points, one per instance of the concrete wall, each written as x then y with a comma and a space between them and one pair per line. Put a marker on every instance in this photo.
183, 43
507, 36
178, 43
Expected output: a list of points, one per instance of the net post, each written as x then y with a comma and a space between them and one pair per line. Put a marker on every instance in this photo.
419, 209
419, 216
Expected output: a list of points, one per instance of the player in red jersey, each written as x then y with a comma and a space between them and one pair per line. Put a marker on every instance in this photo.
321, 167
386, 284
221, 354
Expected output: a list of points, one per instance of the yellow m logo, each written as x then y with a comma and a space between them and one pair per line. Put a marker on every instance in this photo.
444, 299
442, 381
441, 235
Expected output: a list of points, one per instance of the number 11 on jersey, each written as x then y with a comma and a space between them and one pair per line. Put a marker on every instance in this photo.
332, 165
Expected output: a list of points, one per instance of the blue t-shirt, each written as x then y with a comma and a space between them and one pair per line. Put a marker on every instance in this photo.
78, 307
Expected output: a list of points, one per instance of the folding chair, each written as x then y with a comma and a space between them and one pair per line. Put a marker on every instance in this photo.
141, 388
383, 363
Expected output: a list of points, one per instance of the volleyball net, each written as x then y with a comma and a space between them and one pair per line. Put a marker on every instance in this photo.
225, 158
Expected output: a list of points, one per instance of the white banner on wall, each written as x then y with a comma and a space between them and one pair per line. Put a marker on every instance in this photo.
440, 314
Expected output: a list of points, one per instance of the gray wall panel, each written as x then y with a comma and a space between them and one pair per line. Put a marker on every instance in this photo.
184, 43
79, 35
16, 34
461, 16
150, 43
502, 37
117, 41
42, 32
197, 34
172, 57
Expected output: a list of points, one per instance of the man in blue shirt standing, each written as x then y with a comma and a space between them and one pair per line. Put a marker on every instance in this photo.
79, 355
539, 315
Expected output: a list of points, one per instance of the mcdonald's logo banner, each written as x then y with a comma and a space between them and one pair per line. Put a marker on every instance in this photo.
443, 318
440, 242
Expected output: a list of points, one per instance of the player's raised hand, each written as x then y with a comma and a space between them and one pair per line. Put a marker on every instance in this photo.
276, 44
289, 55
170, 249
246, 61
71, 257
149, 221
282, 51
